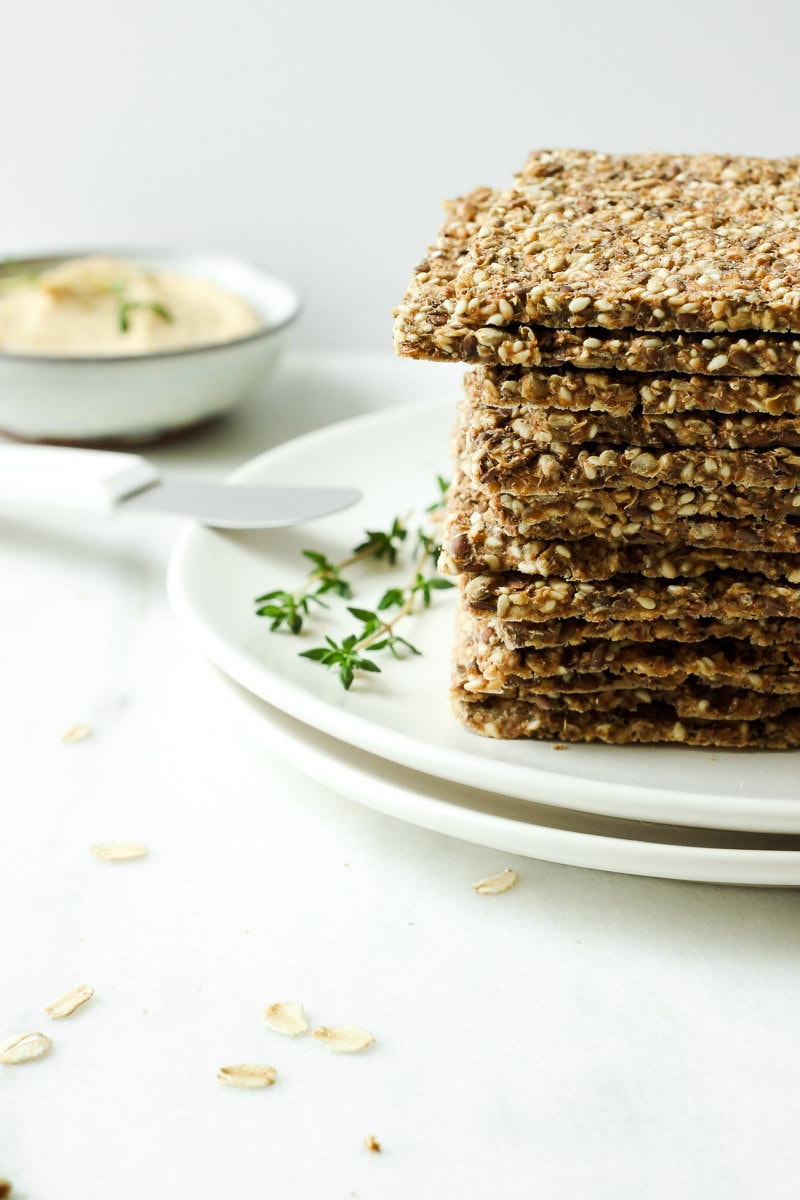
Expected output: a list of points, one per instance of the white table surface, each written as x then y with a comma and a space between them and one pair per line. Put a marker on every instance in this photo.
584, 1035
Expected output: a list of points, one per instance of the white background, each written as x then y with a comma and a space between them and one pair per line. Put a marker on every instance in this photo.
319, 138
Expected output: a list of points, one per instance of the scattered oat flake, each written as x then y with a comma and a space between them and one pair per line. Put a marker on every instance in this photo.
493, 885
286, 1017
66, 1005
76, 733
559, 746
246, 1075
373, 1145
24, 1046
344, 1039
118, 851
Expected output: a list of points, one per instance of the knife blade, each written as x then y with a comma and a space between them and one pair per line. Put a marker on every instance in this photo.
231, 506
103, 481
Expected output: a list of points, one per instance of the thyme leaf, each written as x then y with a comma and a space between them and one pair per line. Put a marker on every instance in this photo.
355, 652
127, 306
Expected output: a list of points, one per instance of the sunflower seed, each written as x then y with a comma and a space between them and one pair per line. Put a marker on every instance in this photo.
343, 1039
24, 1046
68, 1003
494, 884
76, 733
246, 1075
118, 851
286, 1017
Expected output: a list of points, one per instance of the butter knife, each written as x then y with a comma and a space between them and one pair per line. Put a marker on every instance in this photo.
53, 478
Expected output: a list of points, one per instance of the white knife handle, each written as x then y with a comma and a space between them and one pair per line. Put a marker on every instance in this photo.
51, 477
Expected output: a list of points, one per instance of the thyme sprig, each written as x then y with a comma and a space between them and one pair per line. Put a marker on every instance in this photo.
126, 307
439, 503
377, 631
291, 608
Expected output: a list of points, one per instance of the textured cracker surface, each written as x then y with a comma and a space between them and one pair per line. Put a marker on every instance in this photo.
489, 665
475, 540
572, 632
542, 427
498, 717
624, 393
574, 516
426, 325
692, 699
625, 529
500, 463
643, 241
637, 513
721, 595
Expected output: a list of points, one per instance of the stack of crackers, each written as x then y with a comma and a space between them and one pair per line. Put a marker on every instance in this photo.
624, 517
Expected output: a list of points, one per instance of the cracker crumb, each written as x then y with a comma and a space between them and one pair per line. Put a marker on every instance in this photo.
118, 851
246, 1075
286, 1017
76, 733
493, 885
372, 1144
24, 1046
343, 1039
67, 1004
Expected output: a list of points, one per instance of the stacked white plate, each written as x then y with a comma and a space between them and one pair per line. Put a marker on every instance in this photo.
391, 741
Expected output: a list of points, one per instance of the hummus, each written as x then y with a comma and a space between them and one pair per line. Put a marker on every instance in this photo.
105, 307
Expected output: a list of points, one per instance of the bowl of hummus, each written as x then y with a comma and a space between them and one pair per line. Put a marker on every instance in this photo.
128, 346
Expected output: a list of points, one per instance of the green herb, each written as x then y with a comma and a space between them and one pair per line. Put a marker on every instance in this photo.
377, 633
127, 306
377, 629
343, 655
290, 608
443, 484
384, 546
286, 608
428, 546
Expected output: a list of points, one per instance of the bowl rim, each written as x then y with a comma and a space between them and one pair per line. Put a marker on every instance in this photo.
133, 252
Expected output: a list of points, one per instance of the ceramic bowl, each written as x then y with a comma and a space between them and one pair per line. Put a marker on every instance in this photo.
140, 397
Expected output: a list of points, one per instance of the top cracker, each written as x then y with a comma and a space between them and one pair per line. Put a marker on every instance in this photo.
642, 241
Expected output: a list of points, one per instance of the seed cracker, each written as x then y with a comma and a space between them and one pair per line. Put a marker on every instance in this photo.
499, 464
754, 519
474, 542
644, 241
426, 325
723, 594
542, 426
497, 717
488, 664
691, 699
622, 394
517, 635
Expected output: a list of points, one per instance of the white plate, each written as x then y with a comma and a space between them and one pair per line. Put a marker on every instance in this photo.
520, 826
403, 714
